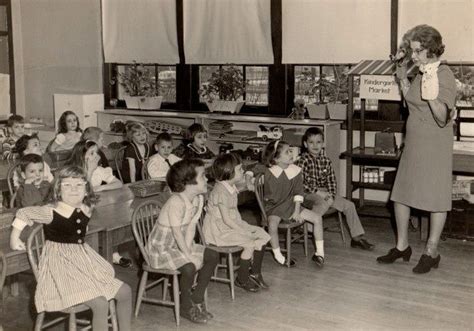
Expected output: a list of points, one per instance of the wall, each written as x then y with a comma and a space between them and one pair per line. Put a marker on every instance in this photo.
60, 52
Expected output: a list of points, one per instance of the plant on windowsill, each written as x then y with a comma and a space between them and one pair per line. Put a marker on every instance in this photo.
139, 84
223, 90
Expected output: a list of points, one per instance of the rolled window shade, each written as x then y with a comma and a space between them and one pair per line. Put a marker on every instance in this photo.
143, 31
335, 31
227, 31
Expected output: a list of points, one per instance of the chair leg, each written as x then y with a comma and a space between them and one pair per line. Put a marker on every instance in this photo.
165, 287
341, 226
305, 238
230, 265
39, 321
72, 322
113, 315
288, 247
141, 291
176, 298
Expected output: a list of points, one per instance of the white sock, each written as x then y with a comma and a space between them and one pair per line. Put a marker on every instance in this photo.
116, 257
278, 256
320, 248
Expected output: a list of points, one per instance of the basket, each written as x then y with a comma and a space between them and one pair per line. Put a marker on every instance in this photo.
146, 188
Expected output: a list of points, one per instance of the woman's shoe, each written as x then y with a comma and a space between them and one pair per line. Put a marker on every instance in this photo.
426, 263
394, 254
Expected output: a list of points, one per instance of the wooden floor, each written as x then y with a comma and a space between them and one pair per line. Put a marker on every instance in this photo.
352, 292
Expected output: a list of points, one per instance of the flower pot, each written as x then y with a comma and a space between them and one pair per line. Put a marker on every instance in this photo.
132, 102
318, 111
225, 106
142, 102
337, 111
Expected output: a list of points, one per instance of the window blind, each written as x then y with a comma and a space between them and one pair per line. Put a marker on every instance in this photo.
143, 31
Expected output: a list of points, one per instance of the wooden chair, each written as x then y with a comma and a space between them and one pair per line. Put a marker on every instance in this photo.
227, 252
3, 276
34, 247
143, 220
56, 159
285, 225
118, 161
11, 183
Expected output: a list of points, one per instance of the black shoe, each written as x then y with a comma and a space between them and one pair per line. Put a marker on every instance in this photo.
203, 309
258, 280
284, 264
124, 262
249, 286
426, 263
394, 254
194, 315
319, 260
362, 244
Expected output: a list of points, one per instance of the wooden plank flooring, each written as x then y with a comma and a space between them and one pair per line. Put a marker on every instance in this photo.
352, 292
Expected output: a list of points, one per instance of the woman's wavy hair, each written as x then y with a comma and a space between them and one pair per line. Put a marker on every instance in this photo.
183, 173
72, 171
62, 126
428, 37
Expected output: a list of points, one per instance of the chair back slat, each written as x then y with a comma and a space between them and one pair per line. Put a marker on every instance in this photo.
259, 194
11, 172
34, 248
118, 161
144, 218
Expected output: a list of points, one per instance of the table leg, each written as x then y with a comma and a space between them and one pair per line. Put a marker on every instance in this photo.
105, 248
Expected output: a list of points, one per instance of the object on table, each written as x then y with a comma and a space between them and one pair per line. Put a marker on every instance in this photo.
148, 187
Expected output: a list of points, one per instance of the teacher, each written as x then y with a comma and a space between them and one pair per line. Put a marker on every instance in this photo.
424, 176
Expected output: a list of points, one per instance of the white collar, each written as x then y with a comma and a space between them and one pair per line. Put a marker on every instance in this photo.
231, 188
66, 210
291, 172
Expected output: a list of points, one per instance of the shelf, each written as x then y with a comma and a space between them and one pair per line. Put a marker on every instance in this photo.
376, 125
240, 141
373, 186
373, 209
369, 153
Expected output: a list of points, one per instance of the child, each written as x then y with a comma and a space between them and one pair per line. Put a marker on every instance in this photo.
96, 135
69, 132
171, 243
136, 153
320, 186
30, 144
283, 195
85, 154
34, 191
223, 225
194, 146
70, 271
161, 162
15, 129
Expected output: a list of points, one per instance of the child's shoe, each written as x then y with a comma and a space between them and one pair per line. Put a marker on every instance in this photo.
121, 261
249, 286
258, 280
194, 315
203, 309
319, 260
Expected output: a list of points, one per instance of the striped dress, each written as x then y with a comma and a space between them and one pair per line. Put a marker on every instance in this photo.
162, 248
70, 271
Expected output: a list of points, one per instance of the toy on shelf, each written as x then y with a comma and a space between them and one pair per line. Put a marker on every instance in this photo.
156, 127
298, 112
117, 126
274, 132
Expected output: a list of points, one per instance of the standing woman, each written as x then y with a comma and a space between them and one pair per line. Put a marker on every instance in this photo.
424, 174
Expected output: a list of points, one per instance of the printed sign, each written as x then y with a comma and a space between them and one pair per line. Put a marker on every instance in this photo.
379, 87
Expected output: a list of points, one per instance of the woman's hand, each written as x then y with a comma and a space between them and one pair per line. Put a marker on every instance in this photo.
401, 71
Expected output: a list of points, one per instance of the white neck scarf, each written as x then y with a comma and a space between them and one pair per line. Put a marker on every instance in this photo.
429, 80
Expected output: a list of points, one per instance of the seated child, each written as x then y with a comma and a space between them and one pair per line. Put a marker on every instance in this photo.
194, 144
30, 144
136, 153
320, 186
171, 243
34, 190
15, 129
223, 225
161, 162
96, 135
71, 272
69, 132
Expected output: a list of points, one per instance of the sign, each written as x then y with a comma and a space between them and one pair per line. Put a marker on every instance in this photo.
379, 87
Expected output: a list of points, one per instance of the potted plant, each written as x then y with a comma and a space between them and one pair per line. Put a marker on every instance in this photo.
140, 85
335, 91
223, 90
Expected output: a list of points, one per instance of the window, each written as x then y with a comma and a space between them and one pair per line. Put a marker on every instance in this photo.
464, 75
256, 81
7, 81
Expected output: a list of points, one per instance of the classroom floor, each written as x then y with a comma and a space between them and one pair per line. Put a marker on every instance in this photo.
351, 292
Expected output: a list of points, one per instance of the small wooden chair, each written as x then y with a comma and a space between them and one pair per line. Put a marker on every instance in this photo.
119, 160
34, 247
228, 252
3, 276
11, 185
143, 220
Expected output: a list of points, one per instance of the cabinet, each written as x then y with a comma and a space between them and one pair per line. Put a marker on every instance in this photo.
83, 105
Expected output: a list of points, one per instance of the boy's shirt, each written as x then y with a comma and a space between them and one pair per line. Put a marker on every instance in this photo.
317, 173
32, 195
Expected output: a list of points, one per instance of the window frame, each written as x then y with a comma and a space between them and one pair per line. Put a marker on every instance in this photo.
11, 57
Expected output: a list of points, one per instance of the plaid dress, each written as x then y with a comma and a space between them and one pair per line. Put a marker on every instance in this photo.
162, 248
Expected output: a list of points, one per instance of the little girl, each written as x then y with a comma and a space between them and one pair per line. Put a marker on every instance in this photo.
136, 154
223, 225
69, 132
194, 146
70, 271
171, 243
96, 135
283, 195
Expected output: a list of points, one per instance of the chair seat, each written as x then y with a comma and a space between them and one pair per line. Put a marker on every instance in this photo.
76, 309
287, 224
225, 249
148, 268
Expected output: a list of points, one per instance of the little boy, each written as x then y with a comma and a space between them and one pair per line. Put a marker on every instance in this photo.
15, 129
34, 190
161, 162
320, 186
